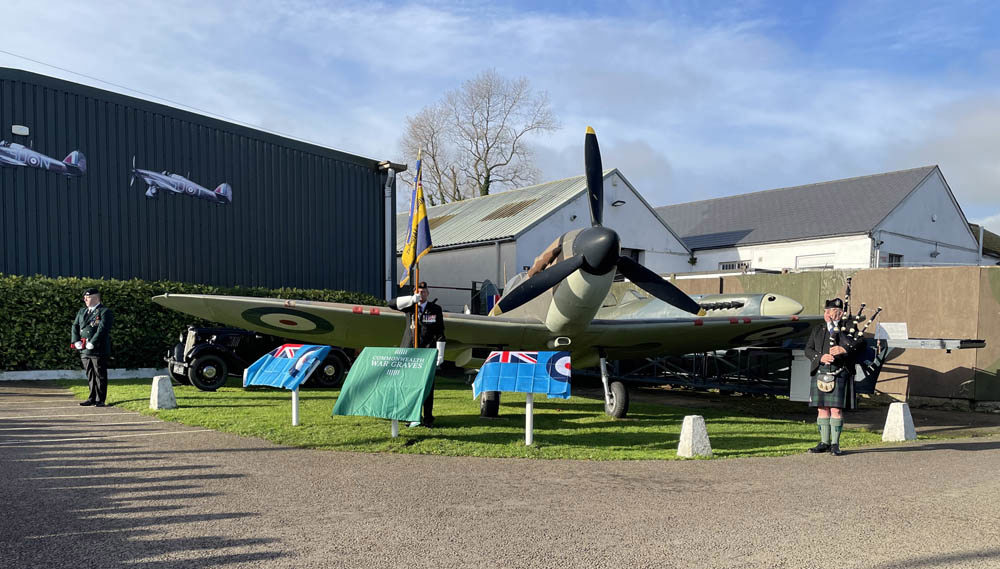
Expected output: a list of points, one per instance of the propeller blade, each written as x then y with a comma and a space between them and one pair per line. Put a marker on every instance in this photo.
655, 285
131, 180
595, 176
539, 283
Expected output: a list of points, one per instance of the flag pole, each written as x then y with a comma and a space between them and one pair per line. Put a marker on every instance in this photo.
416, 271
416, 308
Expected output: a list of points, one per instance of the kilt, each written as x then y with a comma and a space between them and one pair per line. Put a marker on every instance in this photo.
842, 396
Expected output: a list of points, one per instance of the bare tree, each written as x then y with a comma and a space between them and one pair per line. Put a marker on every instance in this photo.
474, 141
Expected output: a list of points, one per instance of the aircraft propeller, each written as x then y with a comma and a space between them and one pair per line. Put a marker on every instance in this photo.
131, 178
597, 250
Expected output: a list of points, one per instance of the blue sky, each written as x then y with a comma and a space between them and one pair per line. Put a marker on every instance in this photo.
691, 100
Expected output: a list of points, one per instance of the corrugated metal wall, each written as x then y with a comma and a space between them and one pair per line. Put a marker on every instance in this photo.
301, 215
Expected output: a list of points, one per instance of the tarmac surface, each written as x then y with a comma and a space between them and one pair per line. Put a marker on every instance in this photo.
103, 487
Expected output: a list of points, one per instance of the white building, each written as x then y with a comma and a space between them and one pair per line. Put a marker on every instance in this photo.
904, 218
497, 236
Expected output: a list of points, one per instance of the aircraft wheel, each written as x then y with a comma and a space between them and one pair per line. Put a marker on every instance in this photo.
208, 372
618, 405
489, 404
330, 373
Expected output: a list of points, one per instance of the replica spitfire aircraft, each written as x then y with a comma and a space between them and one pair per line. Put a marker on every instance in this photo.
554, 306
222, 195
14, 154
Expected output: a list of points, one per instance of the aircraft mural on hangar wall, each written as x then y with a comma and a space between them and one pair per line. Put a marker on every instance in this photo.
557, 305
14, 154
175, 183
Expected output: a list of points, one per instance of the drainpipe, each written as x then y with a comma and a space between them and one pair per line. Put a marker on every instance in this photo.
980, 244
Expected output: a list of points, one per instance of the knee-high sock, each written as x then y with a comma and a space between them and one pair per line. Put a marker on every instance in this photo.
824, 429
836, 426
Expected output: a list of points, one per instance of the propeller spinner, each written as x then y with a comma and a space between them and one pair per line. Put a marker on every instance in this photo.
596, 250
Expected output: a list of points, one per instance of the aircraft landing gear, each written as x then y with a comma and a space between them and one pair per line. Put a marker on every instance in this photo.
615, 394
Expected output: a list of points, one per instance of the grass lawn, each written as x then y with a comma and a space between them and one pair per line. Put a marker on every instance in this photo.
576, 428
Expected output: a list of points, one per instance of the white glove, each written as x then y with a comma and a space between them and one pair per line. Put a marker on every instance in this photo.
78, 345
440, 349
404, 302
90, 346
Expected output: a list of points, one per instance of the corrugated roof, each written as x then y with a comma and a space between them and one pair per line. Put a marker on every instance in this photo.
496, 216
786, 214
991, 241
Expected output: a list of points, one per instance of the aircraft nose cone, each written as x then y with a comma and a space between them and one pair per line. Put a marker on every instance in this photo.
600, 248
778, 305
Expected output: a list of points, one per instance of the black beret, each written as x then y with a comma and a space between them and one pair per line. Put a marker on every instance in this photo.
834, 303
422, 284
91, 291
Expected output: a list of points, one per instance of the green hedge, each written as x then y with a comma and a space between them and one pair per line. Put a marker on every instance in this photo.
39, 312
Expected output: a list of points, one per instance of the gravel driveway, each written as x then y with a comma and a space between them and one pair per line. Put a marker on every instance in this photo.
88, 487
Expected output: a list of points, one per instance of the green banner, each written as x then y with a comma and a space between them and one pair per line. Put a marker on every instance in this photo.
390, 383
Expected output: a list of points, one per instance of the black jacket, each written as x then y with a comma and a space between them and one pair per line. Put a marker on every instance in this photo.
819, 344
96, 329
431, 330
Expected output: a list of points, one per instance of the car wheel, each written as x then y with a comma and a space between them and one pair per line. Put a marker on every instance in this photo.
330, 373
177, 356
208, 372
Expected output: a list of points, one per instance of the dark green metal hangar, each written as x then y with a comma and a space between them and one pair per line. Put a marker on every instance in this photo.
98, 184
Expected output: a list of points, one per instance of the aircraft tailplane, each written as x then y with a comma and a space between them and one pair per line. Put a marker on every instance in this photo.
76, 158
225, 190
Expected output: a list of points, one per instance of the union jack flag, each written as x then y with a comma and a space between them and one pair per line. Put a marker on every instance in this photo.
285, 351
512, 357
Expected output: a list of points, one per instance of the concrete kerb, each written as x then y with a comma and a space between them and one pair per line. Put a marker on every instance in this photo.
49, 374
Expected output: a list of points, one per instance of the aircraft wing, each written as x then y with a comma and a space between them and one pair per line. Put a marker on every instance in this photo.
627, 339
350, 325
357, 326
10, 161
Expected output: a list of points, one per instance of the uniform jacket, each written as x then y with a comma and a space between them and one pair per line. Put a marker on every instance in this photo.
819, 344
96, 329
431, 330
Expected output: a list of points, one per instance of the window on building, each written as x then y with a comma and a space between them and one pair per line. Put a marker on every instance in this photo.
634, 254
895, 260
734, 266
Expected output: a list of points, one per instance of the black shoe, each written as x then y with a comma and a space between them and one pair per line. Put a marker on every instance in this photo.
99, 404
88, 403
835, 450
821, 447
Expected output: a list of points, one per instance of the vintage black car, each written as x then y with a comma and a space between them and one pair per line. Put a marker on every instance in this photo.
205, 357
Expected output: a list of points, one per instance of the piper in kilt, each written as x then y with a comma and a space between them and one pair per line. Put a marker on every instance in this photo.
832, 356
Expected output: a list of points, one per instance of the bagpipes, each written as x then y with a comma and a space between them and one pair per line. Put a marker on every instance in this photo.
849, 323
849, 327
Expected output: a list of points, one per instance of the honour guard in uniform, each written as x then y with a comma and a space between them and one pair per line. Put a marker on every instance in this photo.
832, 353
91, 335
430, 334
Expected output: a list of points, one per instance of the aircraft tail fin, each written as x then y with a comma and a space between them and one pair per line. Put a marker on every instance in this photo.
76, 158
225, 190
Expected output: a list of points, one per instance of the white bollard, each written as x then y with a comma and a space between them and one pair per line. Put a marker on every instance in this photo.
899, 424
162, 394
694, 438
